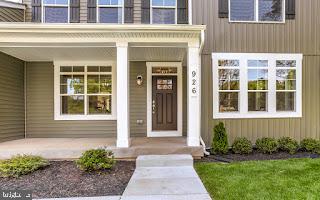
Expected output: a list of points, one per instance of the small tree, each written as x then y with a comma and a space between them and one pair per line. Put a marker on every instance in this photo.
220, 140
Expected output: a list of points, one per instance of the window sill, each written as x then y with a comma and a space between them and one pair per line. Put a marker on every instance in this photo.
85, 118
259, 22
258, 115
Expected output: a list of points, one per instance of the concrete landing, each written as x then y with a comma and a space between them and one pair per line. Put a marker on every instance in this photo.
165, 177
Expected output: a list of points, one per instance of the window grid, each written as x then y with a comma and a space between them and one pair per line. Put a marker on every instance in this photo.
54, 5
163, 7
256, 14
110, 5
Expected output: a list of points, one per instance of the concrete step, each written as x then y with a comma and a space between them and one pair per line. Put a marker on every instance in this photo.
173, 160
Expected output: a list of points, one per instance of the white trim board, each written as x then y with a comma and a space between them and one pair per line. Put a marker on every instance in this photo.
150, 132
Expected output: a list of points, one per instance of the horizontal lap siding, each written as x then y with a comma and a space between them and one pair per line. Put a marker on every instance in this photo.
301, 35
40, 109
12, 110
28, 10
11, 15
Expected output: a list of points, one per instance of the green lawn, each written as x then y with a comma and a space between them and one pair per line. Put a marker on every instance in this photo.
282, 179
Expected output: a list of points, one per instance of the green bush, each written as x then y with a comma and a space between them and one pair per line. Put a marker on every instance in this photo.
96, 159
288, 144
242, 146
220, 140
21, 164
267, 145
310, 145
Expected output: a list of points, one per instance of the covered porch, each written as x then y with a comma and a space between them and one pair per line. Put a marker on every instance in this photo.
135, 54
72, 148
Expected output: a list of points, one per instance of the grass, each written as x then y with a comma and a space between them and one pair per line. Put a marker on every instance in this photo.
281, 179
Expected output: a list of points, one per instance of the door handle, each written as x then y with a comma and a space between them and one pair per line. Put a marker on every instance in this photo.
153, 106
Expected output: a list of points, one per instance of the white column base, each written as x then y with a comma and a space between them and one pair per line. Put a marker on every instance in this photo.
123, 143
193, 141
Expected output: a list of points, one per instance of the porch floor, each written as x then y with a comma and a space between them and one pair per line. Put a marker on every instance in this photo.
72, 148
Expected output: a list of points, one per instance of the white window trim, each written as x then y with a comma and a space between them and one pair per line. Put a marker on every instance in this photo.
57, 103
243, 95
168, 7
110, 6
256, 3
43, 5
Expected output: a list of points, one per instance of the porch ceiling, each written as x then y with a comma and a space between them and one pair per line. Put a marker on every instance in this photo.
95, 53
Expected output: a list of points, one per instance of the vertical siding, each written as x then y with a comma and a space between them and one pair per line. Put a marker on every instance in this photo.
11, 15
301, 35
12, 110
40, 111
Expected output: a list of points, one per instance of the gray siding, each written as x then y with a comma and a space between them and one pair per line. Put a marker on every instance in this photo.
12, 112
40, 113
28, 10
301, 35
11, 15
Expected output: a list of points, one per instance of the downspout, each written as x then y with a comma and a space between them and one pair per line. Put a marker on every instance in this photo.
202, 40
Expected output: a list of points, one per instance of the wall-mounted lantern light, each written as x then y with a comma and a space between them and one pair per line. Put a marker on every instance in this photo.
139, 80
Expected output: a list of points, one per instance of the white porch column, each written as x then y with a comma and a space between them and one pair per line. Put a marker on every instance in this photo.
194, 95
123, 122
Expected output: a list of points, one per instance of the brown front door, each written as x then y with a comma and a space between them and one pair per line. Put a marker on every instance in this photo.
164, 103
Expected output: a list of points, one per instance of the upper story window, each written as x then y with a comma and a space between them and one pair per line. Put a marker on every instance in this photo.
257, 85
110, 11
55, 11
257, 11
163, 11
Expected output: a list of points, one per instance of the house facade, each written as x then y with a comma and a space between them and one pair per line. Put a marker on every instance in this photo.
159, 68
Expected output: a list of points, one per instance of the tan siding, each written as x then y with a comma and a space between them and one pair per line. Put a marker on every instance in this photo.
40, 113
83, 11
301, 35
138, 100
11, 15
11, 98
28, 10
137, 12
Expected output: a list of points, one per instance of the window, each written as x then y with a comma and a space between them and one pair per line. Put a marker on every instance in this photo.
163, 11
257, 85
110, 11
84, 92
55, 11
257, 10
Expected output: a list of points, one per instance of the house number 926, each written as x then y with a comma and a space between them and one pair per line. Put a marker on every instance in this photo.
194, 83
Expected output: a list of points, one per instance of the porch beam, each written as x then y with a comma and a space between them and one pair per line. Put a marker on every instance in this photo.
194, 94
123, 122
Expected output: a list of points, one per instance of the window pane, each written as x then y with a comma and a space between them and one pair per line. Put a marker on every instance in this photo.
72, 105
229, 79
228, 63
105, 69
99, 105
257, 101
163, 16
105, 84
56, 15
257, 63
110, 15
65, 69
49, 1
93, 69
286, 63
71, 84
157, 2
78, 69
285, 101
116, 2
286, 84
270, 10
228, 102
242, 10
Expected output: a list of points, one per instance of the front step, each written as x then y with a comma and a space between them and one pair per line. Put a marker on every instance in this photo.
173, 160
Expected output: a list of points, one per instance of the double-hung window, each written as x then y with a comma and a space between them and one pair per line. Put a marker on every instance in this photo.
55, 11
110, 11
163, 11
257, 11
84, 91
257, 85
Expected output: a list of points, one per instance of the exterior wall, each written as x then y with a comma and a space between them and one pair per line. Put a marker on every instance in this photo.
11, 15
301, 35
40, 109
28, 10
12, 112
138, 100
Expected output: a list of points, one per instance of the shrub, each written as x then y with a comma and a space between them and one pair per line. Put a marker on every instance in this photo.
220, 140
21, 165
310, 145
96, 159
267, 145
288, 144
242, 146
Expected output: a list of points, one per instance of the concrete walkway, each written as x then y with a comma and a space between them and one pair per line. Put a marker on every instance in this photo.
165, 177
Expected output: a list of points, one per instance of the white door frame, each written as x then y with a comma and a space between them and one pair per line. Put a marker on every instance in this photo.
178, 132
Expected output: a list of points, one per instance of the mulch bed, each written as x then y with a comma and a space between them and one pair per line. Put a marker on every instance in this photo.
255, 155
64, 179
